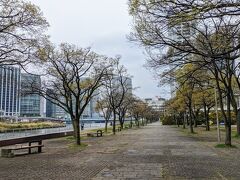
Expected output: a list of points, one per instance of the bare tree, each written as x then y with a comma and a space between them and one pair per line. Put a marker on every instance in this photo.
72, 77
104, 107
139, 110
116, 87
21, 32
123, 109
174, 31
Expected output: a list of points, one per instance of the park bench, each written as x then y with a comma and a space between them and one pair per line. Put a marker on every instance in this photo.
9, 152
99, 133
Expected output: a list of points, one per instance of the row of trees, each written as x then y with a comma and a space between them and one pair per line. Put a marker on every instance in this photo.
194, 99
125, 106
71, 76
198, 36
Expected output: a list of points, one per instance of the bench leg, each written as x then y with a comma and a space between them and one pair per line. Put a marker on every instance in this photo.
29, 149
40, 148
7, 153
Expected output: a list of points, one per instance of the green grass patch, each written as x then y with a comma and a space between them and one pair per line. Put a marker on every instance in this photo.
76, 147
72, 139
225, 146
237, 136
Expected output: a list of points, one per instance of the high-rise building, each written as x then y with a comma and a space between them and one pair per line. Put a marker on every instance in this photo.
9, 91
123, 81
179, 33
54, 111
30, 104
156, 103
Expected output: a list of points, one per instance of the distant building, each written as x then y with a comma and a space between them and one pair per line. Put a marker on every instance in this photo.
54, 111
30, 104
9, 91
156, 104
179, 33
90, 110
127, 82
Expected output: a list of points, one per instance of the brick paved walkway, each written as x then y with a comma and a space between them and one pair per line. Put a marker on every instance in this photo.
152, 152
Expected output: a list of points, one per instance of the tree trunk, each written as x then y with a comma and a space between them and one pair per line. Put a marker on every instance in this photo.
190, 119
228, 121
208, 110
120, 120
238, 111
121, 124
137, 121
228, 135
238, 122
114, 123
235, 109
196, 118
106, 125
77, 131
206, 117
74, 129
191, 124
184, 121
131, 123
174, 119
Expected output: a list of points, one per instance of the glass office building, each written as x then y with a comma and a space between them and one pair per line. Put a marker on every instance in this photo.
30, 101
9, 91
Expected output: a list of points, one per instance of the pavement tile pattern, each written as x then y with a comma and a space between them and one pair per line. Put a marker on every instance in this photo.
149, 153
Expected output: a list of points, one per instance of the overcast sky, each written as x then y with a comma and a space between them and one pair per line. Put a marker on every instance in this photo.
103, 25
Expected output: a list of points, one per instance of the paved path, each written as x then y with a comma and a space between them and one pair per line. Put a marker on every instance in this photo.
150, 153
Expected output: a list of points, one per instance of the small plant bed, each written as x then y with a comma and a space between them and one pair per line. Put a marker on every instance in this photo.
71, 143
21, 126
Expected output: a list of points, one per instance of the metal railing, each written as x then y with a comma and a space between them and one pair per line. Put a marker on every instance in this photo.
18, 133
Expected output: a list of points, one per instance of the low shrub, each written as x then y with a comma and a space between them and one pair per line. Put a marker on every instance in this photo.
168, 120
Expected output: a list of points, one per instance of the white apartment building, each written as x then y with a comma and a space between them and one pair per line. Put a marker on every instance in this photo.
156, 103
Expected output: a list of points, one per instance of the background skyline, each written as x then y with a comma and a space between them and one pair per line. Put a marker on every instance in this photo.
102, 25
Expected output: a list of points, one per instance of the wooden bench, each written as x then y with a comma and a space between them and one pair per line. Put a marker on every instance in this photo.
99, 133
9, 152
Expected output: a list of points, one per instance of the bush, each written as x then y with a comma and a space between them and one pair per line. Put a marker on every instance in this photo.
168, 120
